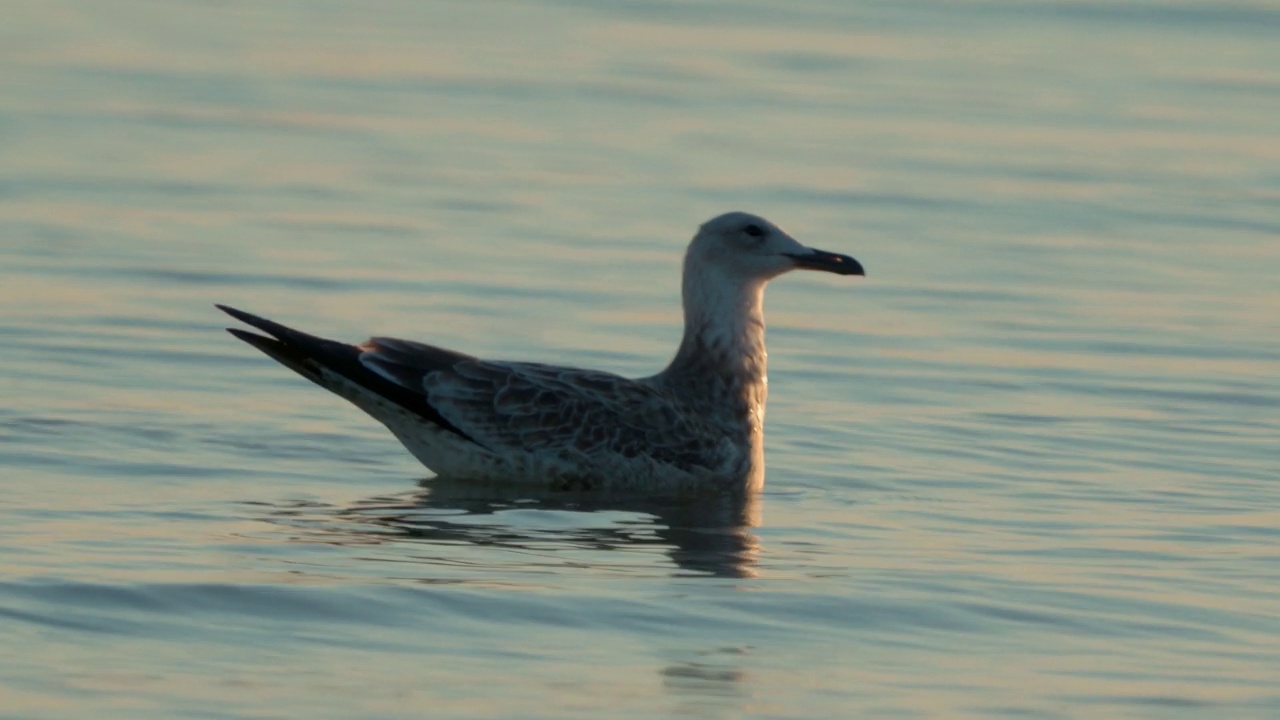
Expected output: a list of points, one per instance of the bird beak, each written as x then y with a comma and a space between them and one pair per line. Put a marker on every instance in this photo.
812, 259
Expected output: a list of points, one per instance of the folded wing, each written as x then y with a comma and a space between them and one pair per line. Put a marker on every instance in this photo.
544, 408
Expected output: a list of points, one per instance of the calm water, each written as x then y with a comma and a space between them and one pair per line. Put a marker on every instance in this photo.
1030, 467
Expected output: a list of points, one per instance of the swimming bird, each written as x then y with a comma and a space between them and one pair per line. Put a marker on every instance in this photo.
697, 425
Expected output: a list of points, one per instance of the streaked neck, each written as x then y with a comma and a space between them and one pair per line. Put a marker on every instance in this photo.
723, 341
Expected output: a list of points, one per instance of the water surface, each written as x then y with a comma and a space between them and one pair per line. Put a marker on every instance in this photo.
1027, 468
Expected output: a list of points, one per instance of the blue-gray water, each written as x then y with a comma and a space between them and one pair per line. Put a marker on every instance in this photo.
1028, 468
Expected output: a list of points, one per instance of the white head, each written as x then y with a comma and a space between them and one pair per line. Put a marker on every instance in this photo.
746, 247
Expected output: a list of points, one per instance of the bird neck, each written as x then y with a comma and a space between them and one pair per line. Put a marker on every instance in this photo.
723, 345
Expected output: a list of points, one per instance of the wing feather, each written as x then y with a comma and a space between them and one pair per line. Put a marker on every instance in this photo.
543, 408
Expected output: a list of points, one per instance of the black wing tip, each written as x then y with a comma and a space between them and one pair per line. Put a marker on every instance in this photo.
271, 346
240, 315
247, 336
307, 354
270, 327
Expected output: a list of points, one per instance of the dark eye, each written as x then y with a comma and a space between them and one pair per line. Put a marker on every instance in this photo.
754, 230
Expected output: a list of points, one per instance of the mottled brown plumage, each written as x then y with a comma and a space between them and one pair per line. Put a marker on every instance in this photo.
698, 424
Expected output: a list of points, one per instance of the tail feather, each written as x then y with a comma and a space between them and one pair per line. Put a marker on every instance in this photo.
318, 359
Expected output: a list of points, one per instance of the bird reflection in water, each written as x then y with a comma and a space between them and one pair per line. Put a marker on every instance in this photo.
709, 535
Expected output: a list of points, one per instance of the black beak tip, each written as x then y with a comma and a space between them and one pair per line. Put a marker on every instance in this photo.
829, 262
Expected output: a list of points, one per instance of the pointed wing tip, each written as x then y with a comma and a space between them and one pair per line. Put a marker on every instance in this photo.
253, 339
237, 314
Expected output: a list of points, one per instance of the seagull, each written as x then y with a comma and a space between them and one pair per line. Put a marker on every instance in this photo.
697, 425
